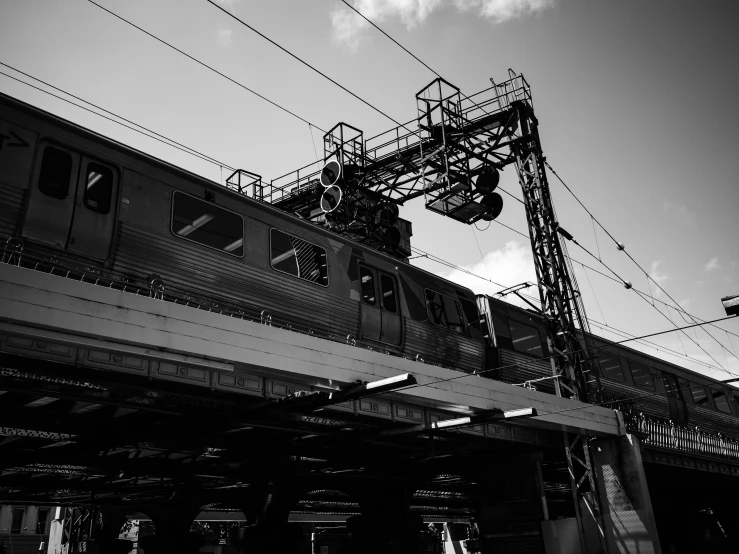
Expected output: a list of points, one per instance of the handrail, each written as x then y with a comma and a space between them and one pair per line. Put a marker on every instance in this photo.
670, 435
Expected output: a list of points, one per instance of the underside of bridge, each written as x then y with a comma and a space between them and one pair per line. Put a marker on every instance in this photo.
72, 436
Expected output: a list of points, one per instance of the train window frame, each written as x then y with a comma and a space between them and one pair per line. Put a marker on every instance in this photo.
620, 364
497, 316
111, 186
706, 403
221, 208
298, 276
362, 292
460, 312
71, 178
720, 393
513, 321
651, 386
394, 291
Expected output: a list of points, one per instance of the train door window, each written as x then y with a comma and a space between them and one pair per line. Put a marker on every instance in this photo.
700, 397
98, 188
525, 338
16, 522
671, 386
387, 289
611, 368
641, 375
56, 173
298, 257
367, 285
500, 322
42, 521
445, 311
720, 400
207, 224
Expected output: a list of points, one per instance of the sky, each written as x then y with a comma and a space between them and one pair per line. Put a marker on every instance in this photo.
635, 101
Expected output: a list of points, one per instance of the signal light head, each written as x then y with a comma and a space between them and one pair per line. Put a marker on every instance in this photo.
330, 173
330, 199
487, 180
494, 204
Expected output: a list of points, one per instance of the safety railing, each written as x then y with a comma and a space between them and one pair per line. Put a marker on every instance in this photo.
669, 435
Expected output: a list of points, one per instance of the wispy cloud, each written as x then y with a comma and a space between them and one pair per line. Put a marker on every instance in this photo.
679, 211
349, 28
225, 37
508, 266
657, 276
712, 264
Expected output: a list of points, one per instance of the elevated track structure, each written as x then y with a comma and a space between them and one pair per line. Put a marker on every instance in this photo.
169, 346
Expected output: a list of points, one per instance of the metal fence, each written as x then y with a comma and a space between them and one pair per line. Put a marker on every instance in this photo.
672, 436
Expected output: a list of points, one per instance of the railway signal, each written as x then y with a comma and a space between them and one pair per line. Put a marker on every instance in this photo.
731, 304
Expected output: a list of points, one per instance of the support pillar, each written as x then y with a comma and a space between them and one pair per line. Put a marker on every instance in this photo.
624, 496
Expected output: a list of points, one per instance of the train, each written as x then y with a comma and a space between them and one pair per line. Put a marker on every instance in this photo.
71, 198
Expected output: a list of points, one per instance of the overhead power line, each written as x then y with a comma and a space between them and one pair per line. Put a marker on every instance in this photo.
302, 61
595, 348
195, 152
419, 60
155, 136
621, 248
234, 81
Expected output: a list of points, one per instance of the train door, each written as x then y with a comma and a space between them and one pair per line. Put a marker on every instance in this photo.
380, 319
71, 205
678, 411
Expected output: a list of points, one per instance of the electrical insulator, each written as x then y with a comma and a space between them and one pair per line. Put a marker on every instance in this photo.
627, 284
620, 246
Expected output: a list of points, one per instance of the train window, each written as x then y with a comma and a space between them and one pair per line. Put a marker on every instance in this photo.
445, 311
297, 257
610, 367
16, 522
641, 375
671, 386
98, 188
42, 519
699, 395
367, 281
525, 338
56, 173
387, 286
207, 224
722, 403
500, 322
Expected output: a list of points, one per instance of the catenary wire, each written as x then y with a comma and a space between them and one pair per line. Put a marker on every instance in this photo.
649, 278
313, 68
592, 349
593, 219
187, 150
234, 81
436, 259
199, 154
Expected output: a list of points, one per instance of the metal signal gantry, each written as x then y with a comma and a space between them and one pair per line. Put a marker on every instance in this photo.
451, 155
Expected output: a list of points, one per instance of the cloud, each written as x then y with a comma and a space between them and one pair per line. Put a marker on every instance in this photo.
349, 28
657, 276
712, 264
679, 211
228, 3
224, 37
510, 265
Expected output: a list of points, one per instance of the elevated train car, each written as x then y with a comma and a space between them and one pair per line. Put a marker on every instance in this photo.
74, 199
